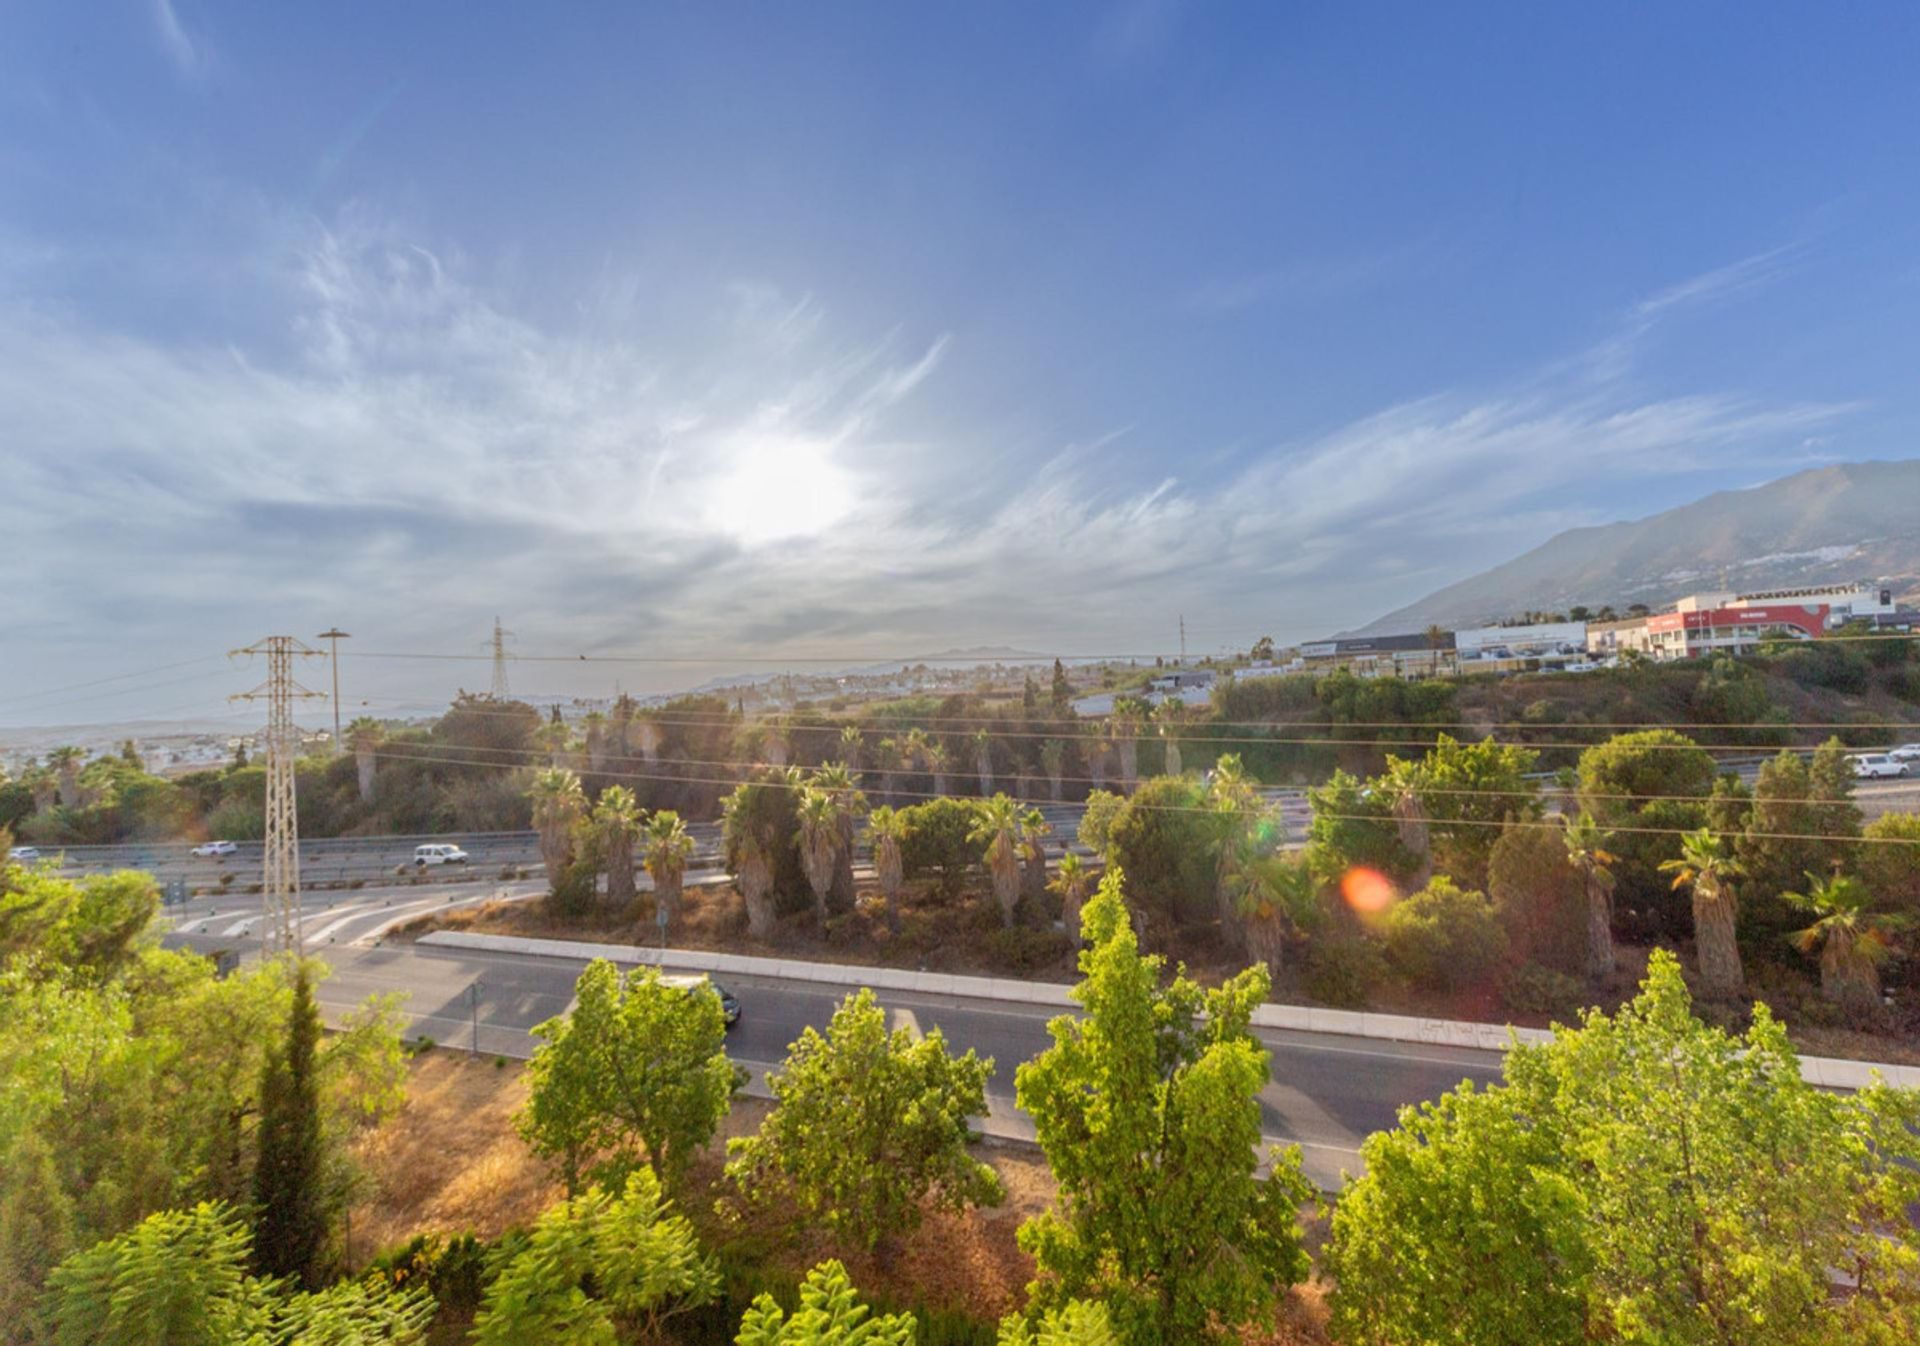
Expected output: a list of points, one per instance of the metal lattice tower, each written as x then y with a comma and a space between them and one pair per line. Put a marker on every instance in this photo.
499, 661
280, 879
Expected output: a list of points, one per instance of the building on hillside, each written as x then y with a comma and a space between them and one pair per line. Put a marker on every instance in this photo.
1482, 649
1694, 633
1381, 656
1610, 640
1862, 600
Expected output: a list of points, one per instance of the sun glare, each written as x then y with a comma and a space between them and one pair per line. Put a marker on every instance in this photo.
778, 489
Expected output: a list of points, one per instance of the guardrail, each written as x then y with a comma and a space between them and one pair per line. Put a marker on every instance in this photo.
1828, 1072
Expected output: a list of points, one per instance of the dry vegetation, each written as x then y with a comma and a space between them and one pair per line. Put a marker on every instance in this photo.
451, 1161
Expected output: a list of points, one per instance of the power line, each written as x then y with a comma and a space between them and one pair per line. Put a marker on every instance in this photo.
389, 754
280, 878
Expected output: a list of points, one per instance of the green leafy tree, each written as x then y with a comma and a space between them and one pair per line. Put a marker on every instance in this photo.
1166, 842
758, 826
291, 1229
1802, 819
1541, 899
1852, 938
637, 1073
36, 1231
1889, 862
937, 844
599, 1268
1706, 867
1354, 825
1147, 1108
1074, 1324
869, 1129
830, 1314
1097, 820
1626, 1184
1645, 789
668, 848
179, 1278
1465, 791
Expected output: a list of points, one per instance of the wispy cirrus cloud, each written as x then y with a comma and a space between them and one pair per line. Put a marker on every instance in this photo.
421, 455
187, 54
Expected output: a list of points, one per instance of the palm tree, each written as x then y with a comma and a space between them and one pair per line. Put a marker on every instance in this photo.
887, 752
750, 852
819, 838
1096, 746
1410, 823
849, 806
558, 803
595, 725
1033, 857
616, 826
1167, 717
1436, 642
997, 827
1053, 760
936, 756
1071, 885
364, 735
1852, 938
554, 737
983, 761
1125, 725
1584, 853
886, 833
1232, 796
66, 761
1278, 894
850, 745
647, 738
44, 785
668, 847
1707, 867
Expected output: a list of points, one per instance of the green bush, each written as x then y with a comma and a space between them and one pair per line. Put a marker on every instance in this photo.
454, 1271
1024, 949
936, 845
1443, 937
1165, 840
574, 892
1342, 971
1540, 897
1533, 989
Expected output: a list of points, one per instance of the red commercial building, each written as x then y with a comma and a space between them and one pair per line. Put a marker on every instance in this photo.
1735, 630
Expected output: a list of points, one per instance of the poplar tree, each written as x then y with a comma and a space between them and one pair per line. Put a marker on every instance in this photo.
290, 1221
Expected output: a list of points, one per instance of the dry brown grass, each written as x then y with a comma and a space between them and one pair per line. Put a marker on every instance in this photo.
451, 1161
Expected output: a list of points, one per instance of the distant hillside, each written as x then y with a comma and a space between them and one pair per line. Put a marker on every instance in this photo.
1856, 521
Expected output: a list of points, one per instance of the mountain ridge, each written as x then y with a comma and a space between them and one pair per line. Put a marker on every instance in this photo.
1825, 525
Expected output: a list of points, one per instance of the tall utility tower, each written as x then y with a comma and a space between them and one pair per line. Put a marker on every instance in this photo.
499, 661
280, 881
333, 635
1183, 639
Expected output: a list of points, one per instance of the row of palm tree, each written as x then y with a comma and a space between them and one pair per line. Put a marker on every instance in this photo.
617, 825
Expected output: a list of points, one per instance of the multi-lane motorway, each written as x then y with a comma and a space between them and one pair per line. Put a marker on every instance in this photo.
1328, 1092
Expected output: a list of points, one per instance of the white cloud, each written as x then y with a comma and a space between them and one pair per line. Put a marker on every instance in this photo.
422, 456
186, 54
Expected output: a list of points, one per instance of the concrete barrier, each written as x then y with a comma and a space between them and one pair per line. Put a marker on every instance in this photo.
1828, 1072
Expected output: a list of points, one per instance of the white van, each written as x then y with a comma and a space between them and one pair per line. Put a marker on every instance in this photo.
693, 981
1869, 765
438, 854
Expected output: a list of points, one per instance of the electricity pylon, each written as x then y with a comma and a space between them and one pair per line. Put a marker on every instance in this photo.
499, 661
280, 879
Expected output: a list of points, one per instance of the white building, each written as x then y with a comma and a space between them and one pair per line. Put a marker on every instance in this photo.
1844, 602
1545, 640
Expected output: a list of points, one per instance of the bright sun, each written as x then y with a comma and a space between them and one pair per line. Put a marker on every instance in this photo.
778, 489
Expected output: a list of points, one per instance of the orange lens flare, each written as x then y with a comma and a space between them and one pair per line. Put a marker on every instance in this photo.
1367, 891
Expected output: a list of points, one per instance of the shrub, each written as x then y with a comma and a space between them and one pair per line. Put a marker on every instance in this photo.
936, 845
1444, 937
1024, 949
1165, 842
1533, 989
1343, 971
1539, 897
573, 893
1890, 870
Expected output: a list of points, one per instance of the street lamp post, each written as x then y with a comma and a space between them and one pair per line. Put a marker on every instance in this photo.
333, 635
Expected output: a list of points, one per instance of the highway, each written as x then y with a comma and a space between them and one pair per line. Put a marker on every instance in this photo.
1328, 1092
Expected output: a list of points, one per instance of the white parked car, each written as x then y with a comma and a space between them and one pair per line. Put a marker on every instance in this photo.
1906, 752
729, 1004
24, 855
1873, 765
215, 848
438, 854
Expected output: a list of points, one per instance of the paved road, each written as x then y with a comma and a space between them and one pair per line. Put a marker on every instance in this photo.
1328, 1092
331, 860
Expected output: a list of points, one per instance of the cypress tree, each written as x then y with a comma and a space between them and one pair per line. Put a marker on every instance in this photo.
36, 1231
290, 1222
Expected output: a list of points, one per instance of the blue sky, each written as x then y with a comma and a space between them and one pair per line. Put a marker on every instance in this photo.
750, 330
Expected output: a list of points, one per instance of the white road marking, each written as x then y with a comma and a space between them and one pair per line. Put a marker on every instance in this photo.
904, 1018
